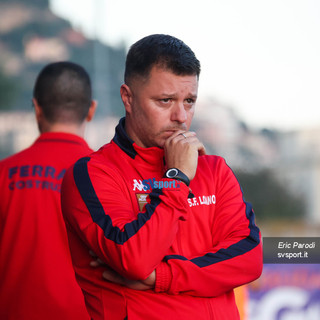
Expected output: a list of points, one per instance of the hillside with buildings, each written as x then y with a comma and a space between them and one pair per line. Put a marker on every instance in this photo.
32, 36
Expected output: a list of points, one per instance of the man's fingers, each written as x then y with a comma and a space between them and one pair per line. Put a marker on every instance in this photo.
113, 277
92, 254
96, 262
180, 135
192, 139
202, 151
187, 134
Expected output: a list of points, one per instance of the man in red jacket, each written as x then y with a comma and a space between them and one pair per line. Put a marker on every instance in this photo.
37, 279
169, 221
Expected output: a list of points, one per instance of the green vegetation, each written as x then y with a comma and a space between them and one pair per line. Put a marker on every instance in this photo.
30, 44
8, 89
270, 198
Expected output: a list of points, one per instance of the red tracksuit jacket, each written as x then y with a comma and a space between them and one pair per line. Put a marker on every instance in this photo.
37, 280
201, 247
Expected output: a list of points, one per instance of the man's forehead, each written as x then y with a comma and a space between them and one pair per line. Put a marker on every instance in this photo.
164, 77
165, 68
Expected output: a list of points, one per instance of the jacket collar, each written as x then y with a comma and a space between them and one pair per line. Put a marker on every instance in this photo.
153, 155
123, 141
61, 137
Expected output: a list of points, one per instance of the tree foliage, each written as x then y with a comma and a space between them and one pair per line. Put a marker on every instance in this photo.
270, 198
22, 41
8, 89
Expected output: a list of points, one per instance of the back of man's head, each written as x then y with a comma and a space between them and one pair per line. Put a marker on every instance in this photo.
160, 50
63, 91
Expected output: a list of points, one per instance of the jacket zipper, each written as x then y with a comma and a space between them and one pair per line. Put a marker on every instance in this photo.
179, 242
210, 310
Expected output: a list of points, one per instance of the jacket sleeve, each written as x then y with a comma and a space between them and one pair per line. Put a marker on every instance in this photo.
233, 259
96, 205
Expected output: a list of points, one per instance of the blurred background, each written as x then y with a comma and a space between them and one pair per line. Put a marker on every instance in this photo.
258, 105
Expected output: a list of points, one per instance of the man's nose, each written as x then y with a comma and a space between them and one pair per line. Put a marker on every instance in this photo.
179, 113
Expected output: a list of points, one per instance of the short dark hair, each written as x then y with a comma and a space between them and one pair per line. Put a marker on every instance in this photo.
162, 50
63, 91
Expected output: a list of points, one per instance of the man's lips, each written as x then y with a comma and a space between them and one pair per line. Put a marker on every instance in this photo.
169, 132
174, 129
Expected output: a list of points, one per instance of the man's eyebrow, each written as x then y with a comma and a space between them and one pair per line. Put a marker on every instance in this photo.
168, 94
164, 94
192, 96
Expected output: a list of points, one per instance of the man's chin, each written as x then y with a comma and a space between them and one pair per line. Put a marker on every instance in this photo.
160, 143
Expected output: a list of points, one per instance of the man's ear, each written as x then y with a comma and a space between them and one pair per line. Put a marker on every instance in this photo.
37, 109
126, 96
92, 110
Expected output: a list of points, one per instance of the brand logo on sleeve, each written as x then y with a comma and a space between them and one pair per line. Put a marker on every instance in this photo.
137, 184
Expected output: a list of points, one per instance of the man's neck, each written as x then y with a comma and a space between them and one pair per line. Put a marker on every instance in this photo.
66, 128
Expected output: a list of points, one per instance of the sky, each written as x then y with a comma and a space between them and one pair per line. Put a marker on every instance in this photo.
260, 57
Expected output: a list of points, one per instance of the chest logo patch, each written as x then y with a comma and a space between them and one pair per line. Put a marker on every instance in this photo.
142, 199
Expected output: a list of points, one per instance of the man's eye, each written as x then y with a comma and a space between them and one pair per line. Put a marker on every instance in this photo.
166, 100
190, 101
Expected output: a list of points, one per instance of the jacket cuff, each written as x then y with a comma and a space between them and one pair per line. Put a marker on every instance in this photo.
163, 277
